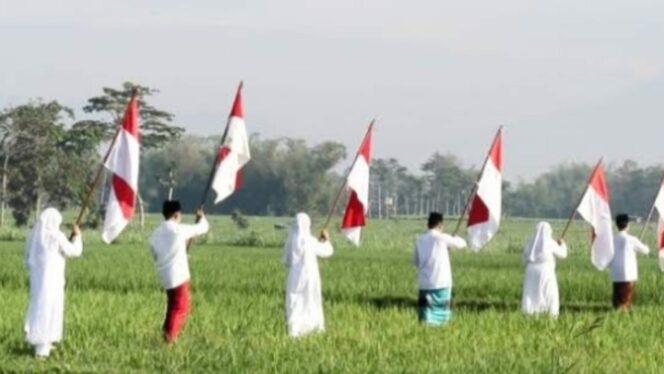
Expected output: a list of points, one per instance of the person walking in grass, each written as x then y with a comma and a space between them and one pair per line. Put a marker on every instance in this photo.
540, 286
432, 259
624, 267
304, 299
46, 252
169, 248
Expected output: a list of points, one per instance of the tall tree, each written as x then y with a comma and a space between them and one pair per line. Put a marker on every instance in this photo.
157, 128
47, 163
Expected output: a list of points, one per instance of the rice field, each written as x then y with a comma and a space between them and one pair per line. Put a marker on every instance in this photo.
115, 309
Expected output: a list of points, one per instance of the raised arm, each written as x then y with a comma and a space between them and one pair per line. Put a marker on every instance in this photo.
197, 229
456, 242
323, 249
72, 248
559, 249
639, 246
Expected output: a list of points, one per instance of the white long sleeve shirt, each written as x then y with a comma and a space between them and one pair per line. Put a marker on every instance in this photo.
433, 260
169, 247
624, 267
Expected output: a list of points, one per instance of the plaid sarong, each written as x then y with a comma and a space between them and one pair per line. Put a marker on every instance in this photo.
434, 306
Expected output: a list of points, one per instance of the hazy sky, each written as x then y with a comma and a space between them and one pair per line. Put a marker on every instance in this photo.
571, 80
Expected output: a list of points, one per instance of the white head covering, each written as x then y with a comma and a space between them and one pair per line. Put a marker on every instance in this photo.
540, 244
298, 236
44, 234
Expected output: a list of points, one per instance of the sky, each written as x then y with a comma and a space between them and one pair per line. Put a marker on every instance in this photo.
570, 80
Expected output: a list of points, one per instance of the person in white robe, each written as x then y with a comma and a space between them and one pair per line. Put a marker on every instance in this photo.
46, 252
540, 286
304, 300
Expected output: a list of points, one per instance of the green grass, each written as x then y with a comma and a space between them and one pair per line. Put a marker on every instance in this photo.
115, 309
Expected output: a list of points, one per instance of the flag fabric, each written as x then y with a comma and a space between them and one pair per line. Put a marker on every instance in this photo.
486, 208
123, 163
594, 209
659, 205
358, 186
233, 154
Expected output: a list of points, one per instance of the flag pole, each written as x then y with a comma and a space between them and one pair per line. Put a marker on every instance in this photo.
569, 221
100, 170
213, 169
652, 211
476, 185
345, 180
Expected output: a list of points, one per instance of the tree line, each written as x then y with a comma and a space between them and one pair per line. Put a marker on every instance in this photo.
47, 157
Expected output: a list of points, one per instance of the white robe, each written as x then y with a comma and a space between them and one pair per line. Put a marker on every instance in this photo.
304, 300
46, 251
540, 286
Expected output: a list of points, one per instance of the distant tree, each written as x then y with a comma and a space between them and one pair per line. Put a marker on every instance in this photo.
157, 128
47, 163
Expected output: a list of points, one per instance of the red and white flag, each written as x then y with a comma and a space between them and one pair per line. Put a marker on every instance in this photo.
123, 162
595, 209
659, 205
486, 208
358, 186
233, 153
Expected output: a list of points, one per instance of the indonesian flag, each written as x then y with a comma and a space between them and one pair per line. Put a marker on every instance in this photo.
123, 163
233, 153
485, 211
358, 185
659, 205
594, 208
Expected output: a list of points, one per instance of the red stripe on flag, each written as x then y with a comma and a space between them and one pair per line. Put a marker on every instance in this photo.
130, 121
479, 213
221, 156
125, 195
365, 148
496, 153
661, 240
354, 216
238, 107
598, 183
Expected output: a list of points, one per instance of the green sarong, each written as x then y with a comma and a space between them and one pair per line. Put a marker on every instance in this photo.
434, 306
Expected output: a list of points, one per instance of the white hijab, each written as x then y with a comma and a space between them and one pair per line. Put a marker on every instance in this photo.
44, 234
299, 235
540, 246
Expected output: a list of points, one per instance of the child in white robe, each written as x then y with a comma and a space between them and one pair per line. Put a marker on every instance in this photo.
304, 300
540, 286
46, 252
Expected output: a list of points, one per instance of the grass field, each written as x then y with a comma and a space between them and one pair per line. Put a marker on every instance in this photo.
115, 310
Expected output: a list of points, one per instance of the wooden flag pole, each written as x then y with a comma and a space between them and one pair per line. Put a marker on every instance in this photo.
476, 185
100, 170
652, 211
213, 169
345, 180
571, 217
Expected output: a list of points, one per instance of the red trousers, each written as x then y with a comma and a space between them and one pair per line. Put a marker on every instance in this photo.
177, 311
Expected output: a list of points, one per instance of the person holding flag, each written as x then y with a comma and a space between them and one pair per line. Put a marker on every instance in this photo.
169, 248
304, 300
432, 259
624, 267
540, 285
47, 250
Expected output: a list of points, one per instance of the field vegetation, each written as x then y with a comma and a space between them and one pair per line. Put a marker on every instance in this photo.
115, 309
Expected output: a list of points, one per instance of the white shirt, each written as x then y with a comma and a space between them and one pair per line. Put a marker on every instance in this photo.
433, 261
623, 266
169, 247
